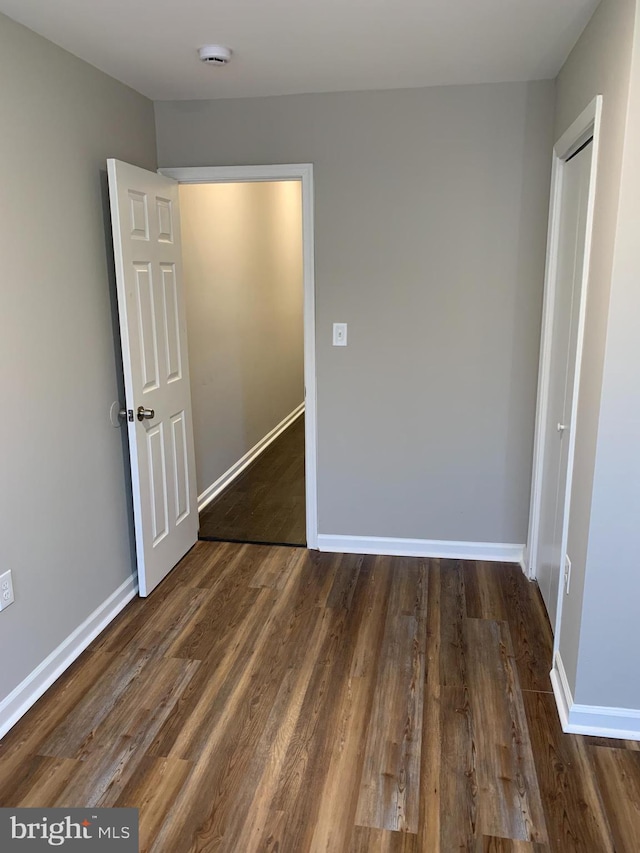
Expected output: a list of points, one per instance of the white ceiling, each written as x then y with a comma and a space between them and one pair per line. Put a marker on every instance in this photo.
291, 46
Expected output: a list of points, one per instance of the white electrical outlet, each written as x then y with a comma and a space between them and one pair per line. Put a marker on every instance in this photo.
6, 590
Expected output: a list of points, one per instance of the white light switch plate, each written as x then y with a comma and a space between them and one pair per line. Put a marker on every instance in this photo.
339, 334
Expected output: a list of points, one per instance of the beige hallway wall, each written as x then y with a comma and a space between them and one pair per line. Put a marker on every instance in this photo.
242, 252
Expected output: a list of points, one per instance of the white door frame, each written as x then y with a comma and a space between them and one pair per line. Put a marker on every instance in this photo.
302, 172
585, 126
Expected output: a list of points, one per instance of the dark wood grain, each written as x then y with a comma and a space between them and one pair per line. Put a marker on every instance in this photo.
457, 783
336, 813
152, 789
484, 599
320, 729
509, 804
614, 743
489, 844
576, 820
266, 503
431, 753
389, 788
367, 840
277, 699
42, 780
618, 777
517, 601
529, 629
453, 621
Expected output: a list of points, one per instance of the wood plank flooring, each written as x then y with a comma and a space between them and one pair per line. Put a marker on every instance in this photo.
266, 504
277, 699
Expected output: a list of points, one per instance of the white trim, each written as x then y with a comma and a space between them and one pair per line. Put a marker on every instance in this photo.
544, 367
285, 172
27, 693
586, 125
237, 174
594, 720
491, 551
561, 690
250, 456
580, 130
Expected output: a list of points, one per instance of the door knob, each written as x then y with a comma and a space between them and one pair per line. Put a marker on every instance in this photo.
145, 414
561, 427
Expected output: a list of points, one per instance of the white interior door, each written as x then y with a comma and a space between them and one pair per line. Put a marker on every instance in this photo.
146, 238
570, 259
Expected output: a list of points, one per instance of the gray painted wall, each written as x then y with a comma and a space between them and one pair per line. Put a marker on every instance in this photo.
242, 261
431, 212
64, 526
609, 663
600, 63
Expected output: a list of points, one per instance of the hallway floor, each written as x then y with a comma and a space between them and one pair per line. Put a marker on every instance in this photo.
278, 699
266, 504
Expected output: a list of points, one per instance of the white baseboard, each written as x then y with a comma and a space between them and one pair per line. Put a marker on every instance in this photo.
493, 551
238, 467
27, 693
594, 720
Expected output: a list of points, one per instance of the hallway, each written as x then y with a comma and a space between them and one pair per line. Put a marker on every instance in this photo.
266, 503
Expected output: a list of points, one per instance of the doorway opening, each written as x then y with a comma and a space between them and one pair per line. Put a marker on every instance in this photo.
248, 273
243, 280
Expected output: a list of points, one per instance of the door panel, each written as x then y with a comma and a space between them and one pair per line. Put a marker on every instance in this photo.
171, 322
158, 483
146, 233
570, 260
139, 214
180, 456
165, 219
148, 350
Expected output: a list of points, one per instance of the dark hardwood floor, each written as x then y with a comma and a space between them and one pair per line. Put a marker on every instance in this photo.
266, 504
278, 699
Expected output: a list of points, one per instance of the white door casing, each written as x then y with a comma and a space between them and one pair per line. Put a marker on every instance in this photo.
146, 235
302, 172
573, 180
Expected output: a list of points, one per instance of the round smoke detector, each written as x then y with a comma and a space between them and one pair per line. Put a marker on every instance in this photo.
214, 54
